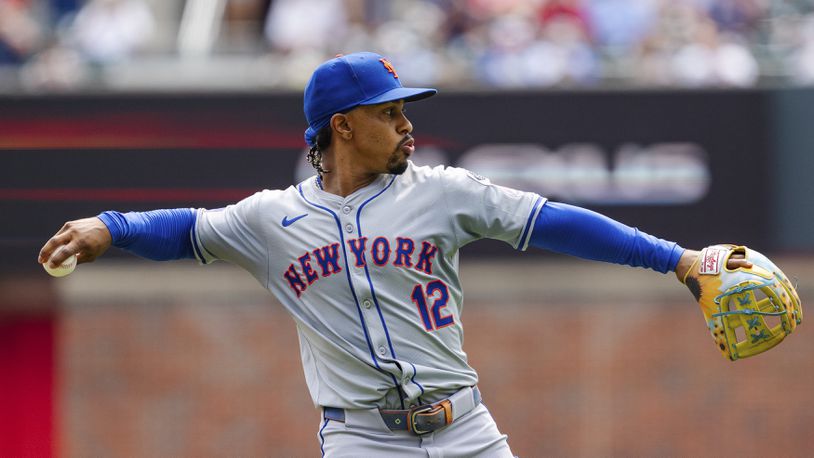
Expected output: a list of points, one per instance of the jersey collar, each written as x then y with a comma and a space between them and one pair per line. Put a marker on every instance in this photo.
312, 187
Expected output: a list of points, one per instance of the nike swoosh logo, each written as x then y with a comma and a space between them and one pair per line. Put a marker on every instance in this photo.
288, 222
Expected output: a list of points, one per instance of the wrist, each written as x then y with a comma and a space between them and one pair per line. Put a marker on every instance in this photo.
109, 221
685, 262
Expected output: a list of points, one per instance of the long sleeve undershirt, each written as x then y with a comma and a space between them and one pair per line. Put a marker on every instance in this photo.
160, 235
576, 231
165, 234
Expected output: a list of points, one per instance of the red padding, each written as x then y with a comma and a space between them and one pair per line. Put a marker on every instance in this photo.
27, 386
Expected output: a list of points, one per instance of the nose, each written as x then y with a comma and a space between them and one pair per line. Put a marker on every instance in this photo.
405, 126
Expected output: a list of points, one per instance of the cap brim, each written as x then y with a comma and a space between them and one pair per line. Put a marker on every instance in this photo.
408, 94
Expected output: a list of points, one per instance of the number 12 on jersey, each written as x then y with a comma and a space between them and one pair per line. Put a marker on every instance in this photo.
432, 315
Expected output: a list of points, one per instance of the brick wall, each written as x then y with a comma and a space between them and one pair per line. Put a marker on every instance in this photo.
164, 375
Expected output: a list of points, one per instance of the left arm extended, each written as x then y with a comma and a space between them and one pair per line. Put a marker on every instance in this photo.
576, 231
583, 233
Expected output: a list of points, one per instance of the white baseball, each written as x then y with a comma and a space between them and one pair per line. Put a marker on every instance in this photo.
63, 269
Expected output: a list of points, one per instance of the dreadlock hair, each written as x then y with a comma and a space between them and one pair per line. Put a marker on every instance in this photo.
321, 142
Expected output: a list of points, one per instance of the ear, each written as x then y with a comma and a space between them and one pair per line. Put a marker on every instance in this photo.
341, 126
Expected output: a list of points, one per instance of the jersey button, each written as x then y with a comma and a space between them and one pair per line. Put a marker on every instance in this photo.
382, 351
349, 228
346, 209
367, 303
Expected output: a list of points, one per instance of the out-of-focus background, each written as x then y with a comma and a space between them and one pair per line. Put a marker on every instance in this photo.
690, 119
68, 45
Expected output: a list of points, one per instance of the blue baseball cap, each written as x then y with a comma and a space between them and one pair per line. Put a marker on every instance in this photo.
347, 81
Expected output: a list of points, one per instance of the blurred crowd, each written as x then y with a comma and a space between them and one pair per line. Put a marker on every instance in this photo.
70, 44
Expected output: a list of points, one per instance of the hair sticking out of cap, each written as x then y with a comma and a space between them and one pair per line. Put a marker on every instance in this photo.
321, 143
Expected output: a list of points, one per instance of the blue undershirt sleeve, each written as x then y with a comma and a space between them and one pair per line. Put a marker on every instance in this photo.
576, 231
160, 235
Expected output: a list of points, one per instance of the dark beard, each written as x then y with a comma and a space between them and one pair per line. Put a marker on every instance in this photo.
397, 164
397, 168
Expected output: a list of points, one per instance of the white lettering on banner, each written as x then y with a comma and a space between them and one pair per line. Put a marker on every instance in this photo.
661, 173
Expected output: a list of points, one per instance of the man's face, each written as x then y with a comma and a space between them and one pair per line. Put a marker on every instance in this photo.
381, 137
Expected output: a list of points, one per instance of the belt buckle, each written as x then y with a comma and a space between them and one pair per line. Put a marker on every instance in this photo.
430, 409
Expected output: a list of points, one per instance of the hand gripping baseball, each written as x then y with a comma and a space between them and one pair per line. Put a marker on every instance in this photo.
742, 295
87, 238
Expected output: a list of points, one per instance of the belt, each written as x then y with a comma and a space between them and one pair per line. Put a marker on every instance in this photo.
425, 418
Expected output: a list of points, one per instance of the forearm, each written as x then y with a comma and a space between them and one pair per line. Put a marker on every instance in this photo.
159, 235
586, 234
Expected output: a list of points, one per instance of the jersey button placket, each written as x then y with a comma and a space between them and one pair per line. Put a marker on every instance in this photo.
377, 333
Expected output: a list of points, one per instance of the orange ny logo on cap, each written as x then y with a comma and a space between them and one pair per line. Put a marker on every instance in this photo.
389, 67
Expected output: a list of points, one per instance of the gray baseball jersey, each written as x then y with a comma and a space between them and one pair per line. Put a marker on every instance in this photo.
371, 279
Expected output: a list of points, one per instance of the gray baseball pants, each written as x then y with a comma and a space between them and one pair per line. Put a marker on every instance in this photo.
364, 434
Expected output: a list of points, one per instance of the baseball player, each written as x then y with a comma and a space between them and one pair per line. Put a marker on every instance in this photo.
364, 257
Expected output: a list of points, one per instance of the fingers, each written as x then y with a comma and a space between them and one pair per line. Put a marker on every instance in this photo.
59, 239
67, 242
88, 238
733, 264
54, 243
737, 261
61, 253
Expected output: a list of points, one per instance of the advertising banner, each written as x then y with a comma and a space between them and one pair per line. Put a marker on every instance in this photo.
680, 165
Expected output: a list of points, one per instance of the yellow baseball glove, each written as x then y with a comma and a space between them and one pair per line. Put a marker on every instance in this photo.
748, 310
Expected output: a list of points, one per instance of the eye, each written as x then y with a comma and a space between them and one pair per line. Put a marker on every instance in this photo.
391, 112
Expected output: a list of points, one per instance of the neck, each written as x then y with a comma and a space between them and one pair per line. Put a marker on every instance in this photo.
343, 175
345, 184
